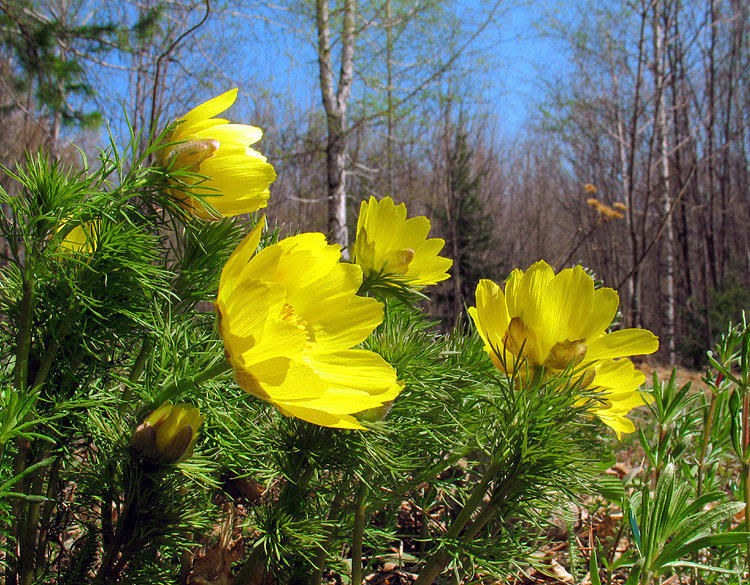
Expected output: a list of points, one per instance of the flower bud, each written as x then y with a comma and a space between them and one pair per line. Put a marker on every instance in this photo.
168, 434
80, 241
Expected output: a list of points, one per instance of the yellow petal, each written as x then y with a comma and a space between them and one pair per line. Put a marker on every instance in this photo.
239, 259
319, 417
358, 369
512, 286
243, 318
616, 421
208, 109
388, 244
230, 136
602, 311
349, 325
280, 338
492, 316
531, 294
626, 342
280, 379
319, 296
618, 374
348, 401
568, 302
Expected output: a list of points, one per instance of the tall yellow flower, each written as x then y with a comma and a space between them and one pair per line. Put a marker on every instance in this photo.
555, 321
390, 246
289, 316
236, 176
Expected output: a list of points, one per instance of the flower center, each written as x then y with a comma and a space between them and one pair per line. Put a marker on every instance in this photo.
289, 315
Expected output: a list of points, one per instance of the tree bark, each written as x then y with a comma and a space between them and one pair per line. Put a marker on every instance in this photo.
335, 101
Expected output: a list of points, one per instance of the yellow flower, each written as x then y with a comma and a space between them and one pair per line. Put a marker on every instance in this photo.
82, 240
237, 177
389, 245
558, 321
553, 320
288, 316
168, 434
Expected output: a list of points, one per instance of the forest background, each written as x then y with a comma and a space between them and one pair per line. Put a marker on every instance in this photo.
612, 134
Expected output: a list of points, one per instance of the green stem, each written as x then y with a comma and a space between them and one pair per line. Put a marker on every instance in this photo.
17, 511
49, 506
291, 498
334, 512
23, 337
128, 533
613, 550
27, 543
424, 529
51, 353
479, 522
358, 532
706, 436
20, 382
176, 388
440, 558
704, 442
138, 366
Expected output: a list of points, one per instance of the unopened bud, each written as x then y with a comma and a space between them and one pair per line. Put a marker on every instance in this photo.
168, 434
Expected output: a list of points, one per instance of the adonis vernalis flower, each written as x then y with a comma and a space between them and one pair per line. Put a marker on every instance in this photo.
168, 434
390, 246
557, 321
80, 241
289, 316
236, 176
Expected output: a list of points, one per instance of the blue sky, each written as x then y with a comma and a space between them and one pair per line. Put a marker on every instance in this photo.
269, 60
518, 57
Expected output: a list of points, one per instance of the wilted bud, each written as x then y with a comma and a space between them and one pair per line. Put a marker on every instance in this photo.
168, 434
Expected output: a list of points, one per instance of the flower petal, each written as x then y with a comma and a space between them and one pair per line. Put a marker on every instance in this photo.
625, 342
209, 109
238, 136
319, 417
490, 315
239, 259
349, 325
358, 369
280, 379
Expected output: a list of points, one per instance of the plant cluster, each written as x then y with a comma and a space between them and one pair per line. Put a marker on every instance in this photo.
181, 401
